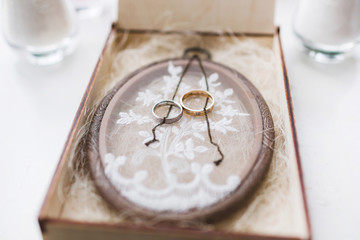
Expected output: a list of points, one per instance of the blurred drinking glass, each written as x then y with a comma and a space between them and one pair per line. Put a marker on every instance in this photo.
328, 28
42, 31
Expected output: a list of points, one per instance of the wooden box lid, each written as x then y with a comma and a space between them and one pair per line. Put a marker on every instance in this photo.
246, 16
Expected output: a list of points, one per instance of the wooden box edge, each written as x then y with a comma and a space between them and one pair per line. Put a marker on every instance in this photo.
43, 218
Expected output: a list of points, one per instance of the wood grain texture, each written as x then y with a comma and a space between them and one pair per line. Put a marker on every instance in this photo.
74, 230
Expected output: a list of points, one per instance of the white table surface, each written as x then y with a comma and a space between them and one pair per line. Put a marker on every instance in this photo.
38, 105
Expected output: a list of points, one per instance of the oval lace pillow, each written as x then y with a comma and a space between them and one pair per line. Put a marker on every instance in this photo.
175, 178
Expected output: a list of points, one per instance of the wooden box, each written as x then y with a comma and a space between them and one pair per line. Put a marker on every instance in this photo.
66, 212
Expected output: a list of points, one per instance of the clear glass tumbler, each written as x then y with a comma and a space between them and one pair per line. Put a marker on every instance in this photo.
328, 28
42, 31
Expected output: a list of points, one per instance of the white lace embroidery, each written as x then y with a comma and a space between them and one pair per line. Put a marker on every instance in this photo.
180, 147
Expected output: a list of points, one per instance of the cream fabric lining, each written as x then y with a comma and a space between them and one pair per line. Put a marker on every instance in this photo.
271, 209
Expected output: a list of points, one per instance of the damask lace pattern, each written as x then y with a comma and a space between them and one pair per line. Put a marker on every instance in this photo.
177, 173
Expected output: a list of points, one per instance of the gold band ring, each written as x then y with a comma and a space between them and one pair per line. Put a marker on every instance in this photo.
197, 112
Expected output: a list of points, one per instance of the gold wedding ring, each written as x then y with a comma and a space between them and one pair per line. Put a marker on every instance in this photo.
196, 93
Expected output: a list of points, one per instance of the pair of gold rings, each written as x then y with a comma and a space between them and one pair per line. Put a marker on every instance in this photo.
182, 107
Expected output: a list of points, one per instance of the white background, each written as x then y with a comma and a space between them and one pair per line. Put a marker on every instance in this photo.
38, 104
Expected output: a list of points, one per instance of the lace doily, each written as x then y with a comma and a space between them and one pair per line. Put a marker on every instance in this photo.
175, 178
